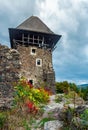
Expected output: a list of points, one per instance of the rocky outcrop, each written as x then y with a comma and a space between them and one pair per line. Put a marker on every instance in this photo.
55, 117
61, 112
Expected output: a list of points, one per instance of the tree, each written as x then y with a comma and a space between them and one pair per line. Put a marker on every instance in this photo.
65, 87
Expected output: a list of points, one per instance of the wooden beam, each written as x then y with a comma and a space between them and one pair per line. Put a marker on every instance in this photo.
23, 39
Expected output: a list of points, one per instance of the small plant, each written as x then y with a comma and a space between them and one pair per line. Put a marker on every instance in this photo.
31, 107
83, 92
29, 124
25, 124
58, 98
67, 128
84, 115
3, 118
44, 120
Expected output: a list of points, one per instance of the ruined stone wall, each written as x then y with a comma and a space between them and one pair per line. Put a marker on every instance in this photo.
9, 70
21, 62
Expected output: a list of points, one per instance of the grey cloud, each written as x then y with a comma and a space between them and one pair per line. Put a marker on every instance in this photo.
12, 13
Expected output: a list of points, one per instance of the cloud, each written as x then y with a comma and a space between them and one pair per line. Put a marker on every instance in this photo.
12, 13
68, 18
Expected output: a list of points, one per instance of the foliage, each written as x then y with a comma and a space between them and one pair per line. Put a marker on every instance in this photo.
84, 115
3, 118
72, 120
66, 128
71, 95
73, 87
64, 87
30, 97
28, 102
28, 124
59, 98
84, 93
44, 120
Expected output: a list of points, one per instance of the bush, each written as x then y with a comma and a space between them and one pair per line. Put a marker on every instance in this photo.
64, 87
84, 93
26, 94
84, 115
3, 119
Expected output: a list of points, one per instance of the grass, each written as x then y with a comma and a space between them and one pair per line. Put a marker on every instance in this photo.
44, 120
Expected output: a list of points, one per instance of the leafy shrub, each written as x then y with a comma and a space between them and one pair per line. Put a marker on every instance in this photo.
3, 119
71, 95
84, 115
32, 97
64, 87
84, 93
44, 120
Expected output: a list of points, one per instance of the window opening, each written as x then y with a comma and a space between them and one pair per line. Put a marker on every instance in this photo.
33, 51
31, 81
38, 62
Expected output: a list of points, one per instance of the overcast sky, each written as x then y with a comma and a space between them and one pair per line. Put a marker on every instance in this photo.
68, 18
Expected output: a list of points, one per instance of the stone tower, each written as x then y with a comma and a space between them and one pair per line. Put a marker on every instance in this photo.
35, 43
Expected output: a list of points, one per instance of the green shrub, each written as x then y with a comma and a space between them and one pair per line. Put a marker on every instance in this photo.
44, 120
84, 93
27, 95
3, 118
84, 115
64, 87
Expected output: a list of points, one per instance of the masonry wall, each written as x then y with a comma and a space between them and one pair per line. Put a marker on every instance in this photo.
9, 70
16, 63
31, 71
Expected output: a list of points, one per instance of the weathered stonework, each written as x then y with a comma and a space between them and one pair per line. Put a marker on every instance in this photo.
32, 43
9, 69
17, 63
29, 69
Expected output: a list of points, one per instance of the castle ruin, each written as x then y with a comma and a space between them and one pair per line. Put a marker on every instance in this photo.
30, 56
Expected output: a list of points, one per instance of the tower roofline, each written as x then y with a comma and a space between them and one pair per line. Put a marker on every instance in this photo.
34, 24
52, 38
33, 28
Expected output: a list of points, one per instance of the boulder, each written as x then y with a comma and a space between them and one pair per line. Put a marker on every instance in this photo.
53, 110
53, 125
80, 109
